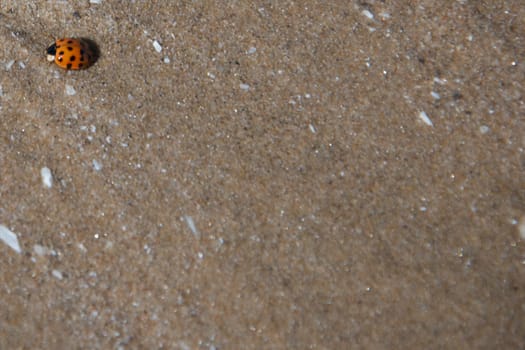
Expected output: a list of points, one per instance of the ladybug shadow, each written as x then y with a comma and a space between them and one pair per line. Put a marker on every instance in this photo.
95, 50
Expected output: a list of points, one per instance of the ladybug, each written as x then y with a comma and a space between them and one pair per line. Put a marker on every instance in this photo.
72, 53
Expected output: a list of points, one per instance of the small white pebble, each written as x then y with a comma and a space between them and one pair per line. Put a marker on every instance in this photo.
1, 91
211, 75
252, 50
157, 46
424, 117
484, 129
95, 1
57, 274
47, 177
97, 165
9, 64
70, 91
166, 60
312, 128
9, 238
21, 64
244, 87
368, 14
521, 227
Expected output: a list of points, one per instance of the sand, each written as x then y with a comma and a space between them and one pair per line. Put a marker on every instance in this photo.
264, 175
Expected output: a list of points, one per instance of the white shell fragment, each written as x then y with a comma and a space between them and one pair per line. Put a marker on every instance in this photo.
424, 117
57, 274
47, 177
157, 46
9, 238
97, 166
368, 14
191, 225
435, 95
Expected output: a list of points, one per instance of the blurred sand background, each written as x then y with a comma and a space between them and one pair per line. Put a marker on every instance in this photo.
264, 175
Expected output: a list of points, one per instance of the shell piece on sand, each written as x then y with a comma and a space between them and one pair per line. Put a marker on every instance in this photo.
9, 238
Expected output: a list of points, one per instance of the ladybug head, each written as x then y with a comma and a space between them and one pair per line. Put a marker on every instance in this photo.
51, 52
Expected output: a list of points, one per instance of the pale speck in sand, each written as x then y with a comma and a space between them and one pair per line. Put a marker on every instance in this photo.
9, 64
484, 129
440, 81
57, 274
47, 177
70, 91
97, 165
192, 227
368, 14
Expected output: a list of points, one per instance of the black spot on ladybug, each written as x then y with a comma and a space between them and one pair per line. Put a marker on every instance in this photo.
59, 59
69, 48
70, 41
72, 58
80, 65
61, 53
69, 65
